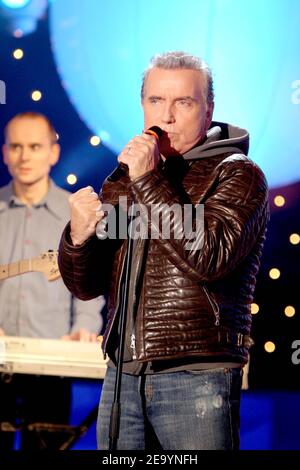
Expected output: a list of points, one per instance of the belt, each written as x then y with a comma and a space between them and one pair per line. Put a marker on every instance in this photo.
238, 339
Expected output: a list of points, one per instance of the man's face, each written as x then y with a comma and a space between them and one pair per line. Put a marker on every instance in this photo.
29, 151
175, 100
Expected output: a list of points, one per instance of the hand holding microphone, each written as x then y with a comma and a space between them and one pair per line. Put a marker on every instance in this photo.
139, 156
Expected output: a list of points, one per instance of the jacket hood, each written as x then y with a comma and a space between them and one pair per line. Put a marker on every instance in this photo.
220, 138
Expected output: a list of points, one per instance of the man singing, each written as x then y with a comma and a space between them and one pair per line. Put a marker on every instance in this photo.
188, 318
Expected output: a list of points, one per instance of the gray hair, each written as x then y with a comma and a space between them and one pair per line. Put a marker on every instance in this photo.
176, 60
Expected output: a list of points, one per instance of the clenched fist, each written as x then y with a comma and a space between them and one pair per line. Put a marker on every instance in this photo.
86, 212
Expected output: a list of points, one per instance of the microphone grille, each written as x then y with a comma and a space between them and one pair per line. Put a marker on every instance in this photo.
156, 131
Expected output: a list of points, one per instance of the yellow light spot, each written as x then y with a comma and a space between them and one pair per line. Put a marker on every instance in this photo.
71, 178
95, 140
279, 201
36, 95
289, 311
270, 346
294, 238
18, 54
274, 273
254, 309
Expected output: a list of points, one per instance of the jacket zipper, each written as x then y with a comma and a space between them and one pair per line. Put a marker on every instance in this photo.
116, 309
213, 304
132, 345
141, 249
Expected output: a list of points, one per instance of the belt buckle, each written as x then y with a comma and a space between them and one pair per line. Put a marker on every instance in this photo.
239, 339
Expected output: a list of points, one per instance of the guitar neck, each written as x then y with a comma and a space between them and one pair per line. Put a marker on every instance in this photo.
14, 269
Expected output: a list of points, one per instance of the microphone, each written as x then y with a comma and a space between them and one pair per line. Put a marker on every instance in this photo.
156, 131
122, 169
117, 173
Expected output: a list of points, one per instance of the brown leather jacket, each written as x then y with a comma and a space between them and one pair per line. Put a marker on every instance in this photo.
191, 303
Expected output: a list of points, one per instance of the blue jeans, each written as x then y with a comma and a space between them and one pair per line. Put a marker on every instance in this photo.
174, 411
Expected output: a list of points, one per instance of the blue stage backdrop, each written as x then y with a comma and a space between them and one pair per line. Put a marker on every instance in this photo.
101, 49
